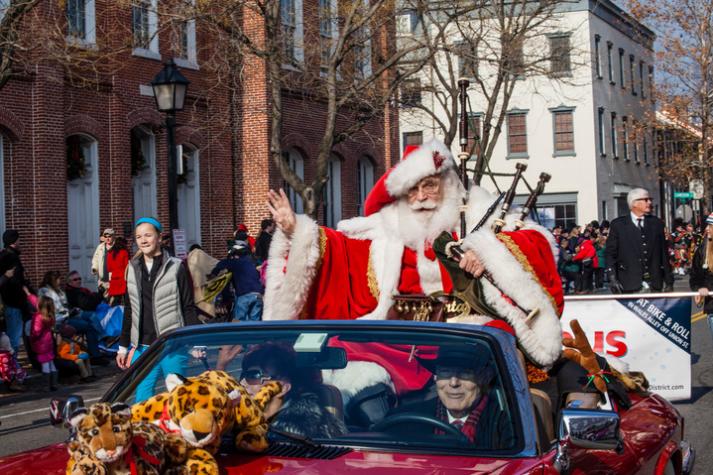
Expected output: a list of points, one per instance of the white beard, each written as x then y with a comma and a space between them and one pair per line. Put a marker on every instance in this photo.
417, 227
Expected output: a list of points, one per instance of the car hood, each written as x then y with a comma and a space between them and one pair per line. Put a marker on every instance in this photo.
53, 460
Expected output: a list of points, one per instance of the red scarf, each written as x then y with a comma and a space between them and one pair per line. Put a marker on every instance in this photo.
471, 422
165, 417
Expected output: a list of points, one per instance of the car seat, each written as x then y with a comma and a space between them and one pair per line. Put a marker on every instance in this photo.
370, 405
331, 399
544, 416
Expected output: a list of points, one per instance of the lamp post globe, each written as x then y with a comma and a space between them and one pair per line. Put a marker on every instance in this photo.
170, 88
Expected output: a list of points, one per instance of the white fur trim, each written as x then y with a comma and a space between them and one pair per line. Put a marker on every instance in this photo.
173, 381
418, 165
541, 339
429, 272
286, 292
357, 375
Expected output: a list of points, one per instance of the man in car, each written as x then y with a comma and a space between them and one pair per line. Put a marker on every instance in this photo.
464, 377
357, 270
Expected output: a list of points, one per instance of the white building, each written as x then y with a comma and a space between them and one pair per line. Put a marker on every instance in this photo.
588, 127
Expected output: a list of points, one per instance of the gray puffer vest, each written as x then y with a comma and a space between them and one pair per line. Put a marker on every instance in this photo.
167, 311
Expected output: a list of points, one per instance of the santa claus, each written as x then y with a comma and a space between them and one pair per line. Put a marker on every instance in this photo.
356, 270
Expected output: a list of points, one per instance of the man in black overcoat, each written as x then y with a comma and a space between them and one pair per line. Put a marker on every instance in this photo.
635, 252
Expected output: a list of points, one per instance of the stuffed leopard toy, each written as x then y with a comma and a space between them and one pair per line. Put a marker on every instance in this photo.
203, 408
107, 442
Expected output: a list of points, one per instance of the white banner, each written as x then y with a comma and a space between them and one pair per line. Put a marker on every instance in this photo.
651, 334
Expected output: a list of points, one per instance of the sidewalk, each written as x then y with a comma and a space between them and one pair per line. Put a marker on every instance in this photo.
36, 382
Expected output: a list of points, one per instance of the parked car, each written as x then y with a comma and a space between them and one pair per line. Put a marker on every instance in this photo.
367, 375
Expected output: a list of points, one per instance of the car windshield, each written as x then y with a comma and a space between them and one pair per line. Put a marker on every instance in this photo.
367, 387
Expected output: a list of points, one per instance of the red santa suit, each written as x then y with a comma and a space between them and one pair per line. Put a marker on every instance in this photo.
354, 271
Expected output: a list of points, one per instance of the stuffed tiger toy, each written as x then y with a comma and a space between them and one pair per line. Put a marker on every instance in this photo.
203, 408
106, 442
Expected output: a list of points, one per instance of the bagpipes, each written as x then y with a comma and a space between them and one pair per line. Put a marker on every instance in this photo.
450, 252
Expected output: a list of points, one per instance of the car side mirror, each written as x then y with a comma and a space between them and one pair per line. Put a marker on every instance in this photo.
590, 429
587, 429
62, 409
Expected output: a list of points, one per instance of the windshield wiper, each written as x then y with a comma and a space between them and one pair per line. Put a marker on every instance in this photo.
301, 439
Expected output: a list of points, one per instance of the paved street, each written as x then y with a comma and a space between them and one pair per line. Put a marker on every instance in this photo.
25, 425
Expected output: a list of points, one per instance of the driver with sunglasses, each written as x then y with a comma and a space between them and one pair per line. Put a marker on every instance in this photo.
297, 409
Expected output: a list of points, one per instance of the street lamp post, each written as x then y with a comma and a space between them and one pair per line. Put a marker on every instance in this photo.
169, 89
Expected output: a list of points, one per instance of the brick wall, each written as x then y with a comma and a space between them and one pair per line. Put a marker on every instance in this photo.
39, 110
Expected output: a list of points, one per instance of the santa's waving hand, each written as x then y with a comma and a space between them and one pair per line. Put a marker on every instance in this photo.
281, 211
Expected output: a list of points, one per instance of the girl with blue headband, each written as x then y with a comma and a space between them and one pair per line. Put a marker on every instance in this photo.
159, 298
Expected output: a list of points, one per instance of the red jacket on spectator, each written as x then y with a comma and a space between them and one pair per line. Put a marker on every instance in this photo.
116, 262
587, 251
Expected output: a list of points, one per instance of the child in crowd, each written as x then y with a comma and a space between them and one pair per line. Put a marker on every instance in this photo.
11, 373
72, 350
41, 338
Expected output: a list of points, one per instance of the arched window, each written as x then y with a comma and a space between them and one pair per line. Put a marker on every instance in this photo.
297, 164
333, 193
143, 171
365, 181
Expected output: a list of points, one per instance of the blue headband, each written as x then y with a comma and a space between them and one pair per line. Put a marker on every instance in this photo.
152, 221
709, 219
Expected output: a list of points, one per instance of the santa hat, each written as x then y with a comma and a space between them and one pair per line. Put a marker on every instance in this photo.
418, 162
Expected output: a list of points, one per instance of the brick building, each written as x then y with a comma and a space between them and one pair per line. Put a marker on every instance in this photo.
75, 160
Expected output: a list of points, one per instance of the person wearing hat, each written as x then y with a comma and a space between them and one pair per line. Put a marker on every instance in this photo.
636, 253
158, 298
99, 262
701, 276
15, 290
245, 280
463, 376
356, 270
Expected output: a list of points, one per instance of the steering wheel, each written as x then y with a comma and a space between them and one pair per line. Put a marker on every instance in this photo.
415, 418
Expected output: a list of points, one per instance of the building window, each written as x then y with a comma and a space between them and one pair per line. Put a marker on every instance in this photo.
333, 193
632, 63
614, 136
635, 140
610, 64
641, 79
365, 181
362, 50
597, 59
625, 137
604, 210
412, 138
411, 93
408, 23
145, 27
517, 134
651, 81
560, 64
291, 21
297, 164
600, 132
514, 58
474, 131
557, 214
467, 59
645, 144
81, 21
621, 67
186, 45
327, 30
563, 127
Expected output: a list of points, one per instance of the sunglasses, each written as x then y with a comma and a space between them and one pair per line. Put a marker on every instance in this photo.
256, 376
108, 235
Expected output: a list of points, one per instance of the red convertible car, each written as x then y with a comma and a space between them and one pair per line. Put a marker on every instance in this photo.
399, 397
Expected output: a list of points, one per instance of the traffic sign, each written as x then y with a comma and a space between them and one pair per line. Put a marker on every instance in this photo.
685, 195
